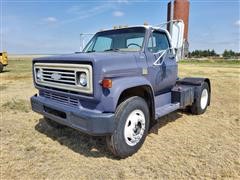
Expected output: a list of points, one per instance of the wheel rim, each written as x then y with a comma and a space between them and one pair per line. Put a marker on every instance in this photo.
134, 127
204, 98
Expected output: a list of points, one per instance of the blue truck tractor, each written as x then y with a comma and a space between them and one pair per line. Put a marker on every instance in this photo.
122, 81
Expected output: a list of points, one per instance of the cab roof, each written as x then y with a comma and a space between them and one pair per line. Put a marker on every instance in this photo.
135, 26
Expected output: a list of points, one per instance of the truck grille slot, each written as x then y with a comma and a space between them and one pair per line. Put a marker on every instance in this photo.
55, 112
56, 70
70, 101
63, 76
59, 81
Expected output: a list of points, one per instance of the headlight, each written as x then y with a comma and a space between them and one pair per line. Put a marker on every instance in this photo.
83, 79
39, 74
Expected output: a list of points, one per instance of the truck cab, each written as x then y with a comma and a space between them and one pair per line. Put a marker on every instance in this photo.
122, 82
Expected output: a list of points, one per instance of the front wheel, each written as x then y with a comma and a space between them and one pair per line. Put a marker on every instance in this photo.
132, 119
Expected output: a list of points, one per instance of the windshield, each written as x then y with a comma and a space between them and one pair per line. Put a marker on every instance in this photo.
127, 39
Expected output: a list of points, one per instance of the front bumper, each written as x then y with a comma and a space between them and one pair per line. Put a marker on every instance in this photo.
86, 121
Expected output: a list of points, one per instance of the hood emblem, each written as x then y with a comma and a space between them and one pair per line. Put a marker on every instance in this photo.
56, 76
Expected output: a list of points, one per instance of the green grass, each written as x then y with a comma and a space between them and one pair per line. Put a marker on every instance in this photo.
17, 66
210, 61
17, 70
213, 63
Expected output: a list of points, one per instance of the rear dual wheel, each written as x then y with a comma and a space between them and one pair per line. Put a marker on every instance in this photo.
132, 119
202, 100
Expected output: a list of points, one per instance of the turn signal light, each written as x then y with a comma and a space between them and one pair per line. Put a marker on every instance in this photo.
107, 83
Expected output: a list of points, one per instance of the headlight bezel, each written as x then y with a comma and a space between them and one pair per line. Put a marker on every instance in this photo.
82, 79
39, 74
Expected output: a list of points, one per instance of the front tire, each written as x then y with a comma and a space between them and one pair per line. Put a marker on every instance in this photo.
132, 120
202, 100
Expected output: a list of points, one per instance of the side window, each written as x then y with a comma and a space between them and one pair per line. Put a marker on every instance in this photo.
158, 41
131, 42
102, 44
152, 42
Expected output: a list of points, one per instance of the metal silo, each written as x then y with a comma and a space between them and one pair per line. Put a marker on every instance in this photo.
181, 11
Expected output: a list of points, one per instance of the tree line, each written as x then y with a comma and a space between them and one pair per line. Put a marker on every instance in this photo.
212, 53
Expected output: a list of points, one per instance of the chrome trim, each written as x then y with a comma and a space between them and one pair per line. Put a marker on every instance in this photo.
68, 72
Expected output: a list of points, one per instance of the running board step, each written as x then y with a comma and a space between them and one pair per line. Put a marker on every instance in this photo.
166, 109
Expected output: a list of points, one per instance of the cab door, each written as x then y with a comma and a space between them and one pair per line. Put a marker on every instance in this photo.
162, 65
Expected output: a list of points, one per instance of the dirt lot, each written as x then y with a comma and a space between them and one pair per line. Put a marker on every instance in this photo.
179, 146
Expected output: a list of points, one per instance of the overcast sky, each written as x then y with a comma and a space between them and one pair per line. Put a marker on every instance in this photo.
49, 27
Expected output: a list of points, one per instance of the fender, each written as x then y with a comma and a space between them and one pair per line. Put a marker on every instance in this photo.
196, 81
111, 96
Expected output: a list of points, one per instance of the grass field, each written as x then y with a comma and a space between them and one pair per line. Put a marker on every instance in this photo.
180, 146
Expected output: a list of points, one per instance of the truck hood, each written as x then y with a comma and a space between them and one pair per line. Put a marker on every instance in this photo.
109, 64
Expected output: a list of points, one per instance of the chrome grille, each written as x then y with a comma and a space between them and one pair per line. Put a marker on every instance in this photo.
66, 77
70, 101
63, 76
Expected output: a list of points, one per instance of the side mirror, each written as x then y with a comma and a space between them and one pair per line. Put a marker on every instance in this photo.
177, 34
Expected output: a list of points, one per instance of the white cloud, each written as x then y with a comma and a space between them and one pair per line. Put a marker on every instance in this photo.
80, 13
84, 12
50, 19
237, 23
118, 13
74, 9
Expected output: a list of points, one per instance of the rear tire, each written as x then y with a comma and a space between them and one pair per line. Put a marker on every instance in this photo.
1, 67
202, 100
132, 123
54, 124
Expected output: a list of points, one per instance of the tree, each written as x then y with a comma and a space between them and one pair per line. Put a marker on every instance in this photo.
229, 54
203, 53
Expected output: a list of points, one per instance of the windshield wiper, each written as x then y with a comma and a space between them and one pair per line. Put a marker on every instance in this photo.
90, 51
112, 49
